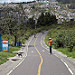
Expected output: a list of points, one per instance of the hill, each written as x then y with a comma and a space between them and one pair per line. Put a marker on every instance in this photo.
66, 1
70, 2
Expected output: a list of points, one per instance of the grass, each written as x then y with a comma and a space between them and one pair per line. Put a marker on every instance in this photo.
5, 55
53, 33
65, 51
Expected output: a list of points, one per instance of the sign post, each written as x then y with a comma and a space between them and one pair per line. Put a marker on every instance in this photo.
0, 42
5, 45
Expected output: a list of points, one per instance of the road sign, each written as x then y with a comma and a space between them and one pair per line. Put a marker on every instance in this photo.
5, 45
0, 42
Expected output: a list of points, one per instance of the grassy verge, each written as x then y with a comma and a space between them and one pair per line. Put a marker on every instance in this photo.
65, 51
53, 32
5, 55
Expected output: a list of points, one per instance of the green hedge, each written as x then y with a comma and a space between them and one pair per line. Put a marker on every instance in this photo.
65, 39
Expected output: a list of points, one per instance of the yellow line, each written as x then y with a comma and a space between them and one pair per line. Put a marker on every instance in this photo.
39, 68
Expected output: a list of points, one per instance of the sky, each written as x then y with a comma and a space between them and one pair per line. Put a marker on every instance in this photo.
8, 1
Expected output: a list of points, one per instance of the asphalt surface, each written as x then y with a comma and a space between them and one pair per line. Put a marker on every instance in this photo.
40, 62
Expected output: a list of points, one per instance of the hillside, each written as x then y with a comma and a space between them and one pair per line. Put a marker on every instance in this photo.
70, 2
66, 1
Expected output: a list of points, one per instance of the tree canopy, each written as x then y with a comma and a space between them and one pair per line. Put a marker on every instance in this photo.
46, 19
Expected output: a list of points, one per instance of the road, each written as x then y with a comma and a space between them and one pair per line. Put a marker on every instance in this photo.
40, 62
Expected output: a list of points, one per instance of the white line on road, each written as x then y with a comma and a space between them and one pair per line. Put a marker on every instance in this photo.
68, 67
43, 50
64, 63
57, 57
22, 59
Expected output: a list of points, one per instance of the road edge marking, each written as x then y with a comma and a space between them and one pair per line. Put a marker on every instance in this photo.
58, 57
20, 61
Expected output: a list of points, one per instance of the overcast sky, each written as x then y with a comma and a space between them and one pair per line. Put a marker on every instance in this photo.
8, 1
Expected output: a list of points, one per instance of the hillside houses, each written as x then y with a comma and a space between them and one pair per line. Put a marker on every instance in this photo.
31, 9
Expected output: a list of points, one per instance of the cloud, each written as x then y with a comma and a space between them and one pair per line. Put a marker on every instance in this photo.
14, 1
28, 0
8, 1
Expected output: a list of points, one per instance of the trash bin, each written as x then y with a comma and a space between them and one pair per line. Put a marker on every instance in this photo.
17, 44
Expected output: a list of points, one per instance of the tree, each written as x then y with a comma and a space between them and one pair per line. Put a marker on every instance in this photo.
31, 23
46, 19
40, 21
12, 21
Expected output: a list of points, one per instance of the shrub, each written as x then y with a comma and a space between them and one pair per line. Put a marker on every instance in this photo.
73, 48
65, 39
60, 41
69, 40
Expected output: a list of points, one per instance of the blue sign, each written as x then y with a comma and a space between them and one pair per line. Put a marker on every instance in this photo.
0, 42
5, 45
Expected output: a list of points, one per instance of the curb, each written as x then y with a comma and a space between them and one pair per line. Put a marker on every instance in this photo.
9, 66
61, 56
27, 44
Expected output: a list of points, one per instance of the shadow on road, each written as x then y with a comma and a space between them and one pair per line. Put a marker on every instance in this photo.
31, 46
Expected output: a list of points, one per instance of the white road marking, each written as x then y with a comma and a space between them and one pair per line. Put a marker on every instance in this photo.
22, 59
57, 56
32, 51
43, 50
68, 67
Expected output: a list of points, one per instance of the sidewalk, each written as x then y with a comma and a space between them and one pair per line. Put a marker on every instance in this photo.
9, 66
68, 61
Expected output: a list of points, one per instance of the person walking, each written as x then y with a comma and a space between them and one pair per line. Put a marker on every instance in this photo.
50, 45
34, 35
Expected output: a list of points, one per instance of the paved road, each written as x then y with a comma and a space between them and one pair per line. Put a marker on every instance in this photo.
40, 62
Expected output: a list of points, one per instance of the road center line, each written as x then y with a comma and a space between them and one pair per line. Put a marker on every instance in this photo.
39, 68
